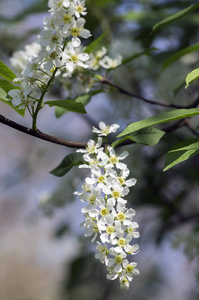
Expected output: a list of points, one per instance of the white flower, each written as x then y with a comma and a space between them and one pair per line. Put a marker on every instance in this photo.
99, 178
92, 147
93, 200
58, 4
121, 178
17, 97
91, 228
133, 249
117, 261
130, 269
77, 30
50, 39
131, 230
105, 129
78, 8
94, 58
31, 69
102, 252
19, 59
125, 215
72, 59
92, 162
109, 63
112, 159
124, 283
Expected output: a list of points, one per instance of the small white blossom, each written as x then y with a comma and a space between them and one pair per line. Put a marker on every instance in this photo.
109, 63
104, 129
72, 59
77, 30
78, 8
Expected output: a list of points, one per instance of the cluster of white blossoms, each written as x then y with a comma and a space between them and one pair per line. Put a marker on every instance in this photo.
106, 218
100, 59
57, 49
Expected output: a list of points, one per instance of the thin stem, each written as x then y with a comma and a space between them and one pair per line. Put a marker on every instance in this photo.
39, 105
30, 111
47, 87
38, 134
188, 125
125, 92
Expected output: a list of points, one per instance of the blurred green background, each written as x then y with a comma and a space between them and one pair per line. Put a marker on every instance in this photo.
43, 253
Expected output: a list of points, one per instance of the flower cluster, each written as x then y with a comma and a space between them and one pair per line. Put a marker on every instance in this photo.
57, 49
106, 217
100, 59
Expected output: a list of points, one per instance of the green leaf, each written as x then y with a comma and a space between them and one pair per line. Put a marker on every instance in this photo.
6, 73
3, 97
71, 160
143, 17
149, 136
83, 99
174, 17
178, 87
192, 144
179, 54
69, 105
132, 57
181, 152
96, 44
192, 76
7, 86
120, 141
160, 118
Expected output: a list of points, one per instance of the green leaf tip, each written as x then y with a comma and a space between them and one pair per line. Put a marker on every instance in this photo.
6, 73
68, 105
181, 152
192, 76
71, 160
174, 17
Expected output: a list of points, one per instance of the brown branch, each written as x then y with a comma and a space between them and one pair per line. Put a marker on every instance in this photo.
125, 92
52, 139
175, 126
188, 125
38, 134
178, 220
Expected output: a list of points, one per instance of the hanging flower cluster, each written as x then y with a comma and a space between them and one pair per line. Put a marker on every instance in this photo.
106, 217
58, 52
56, 49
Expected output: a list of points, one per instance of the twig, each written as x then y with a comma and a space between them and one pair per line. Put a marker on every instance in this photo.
188, 125
175, 126
38, 134
125, 92
52, 139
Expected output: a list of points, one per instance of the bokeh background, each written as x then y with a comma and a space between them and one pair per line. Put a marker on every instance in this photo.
43, 253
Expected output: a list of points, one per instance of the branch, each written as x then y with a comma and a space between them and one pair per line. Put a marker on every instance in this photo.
125, 92
175, 126
40, 135
188, 125
52, 139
